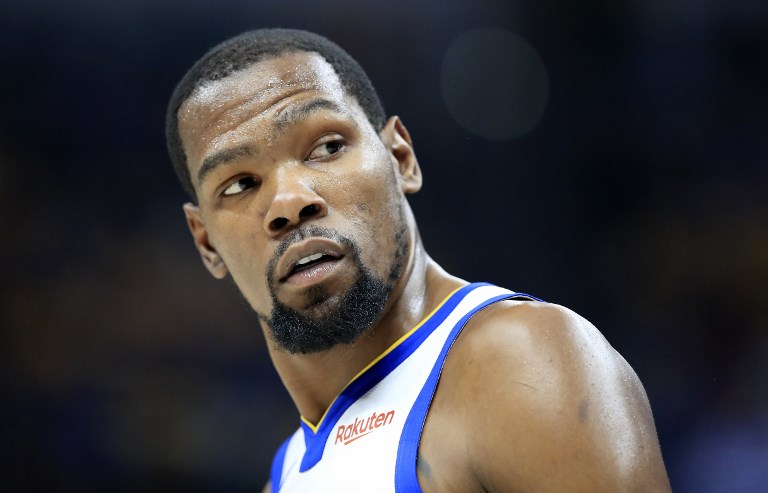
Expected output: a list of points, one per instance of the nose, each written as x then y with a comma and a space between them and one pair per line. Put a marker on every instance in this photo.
294, 202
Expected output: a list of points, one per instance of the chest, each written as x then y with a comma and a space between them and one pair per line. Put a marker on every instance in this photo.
371, 437
362, 448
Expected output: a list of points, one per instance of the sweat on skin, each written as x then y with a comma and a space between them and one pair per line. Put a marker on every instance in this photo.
271, 156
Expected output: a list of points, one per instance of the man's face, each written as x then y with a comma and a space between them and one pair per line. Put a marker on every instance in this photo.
298, 199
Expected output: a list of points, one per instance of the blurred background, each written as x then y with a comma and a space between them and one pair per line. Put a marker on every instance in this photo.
607, 156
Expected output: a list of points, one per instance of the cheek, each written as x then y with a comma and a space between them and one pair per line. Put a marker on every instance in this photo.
243, 251
376, 184
372, 209
368, 199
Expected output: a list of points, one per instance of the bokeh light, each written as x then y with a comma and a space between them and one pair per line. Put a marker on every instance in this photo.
494, 83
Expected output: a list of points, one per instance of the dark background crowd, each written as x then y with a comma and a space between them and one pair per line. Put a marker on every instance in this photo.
611, 157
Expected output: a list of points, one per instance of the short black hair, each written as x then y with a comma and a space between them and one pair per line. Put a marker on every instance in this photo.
251, 47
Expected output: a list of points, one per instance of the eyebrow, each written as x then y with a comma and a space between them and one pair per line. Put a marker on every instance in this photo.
225, 156
295, 114
290, 117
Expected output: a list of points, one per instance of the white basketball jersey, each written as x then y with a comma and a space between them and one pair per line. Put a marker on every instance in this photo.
368, 439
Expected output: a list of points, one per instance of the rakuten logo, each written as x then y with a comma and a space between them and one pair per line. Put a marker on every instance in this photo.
362, 426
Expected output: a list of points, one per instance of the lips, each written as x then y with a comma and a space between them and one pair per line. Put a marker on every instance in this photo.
307, 254
310, 261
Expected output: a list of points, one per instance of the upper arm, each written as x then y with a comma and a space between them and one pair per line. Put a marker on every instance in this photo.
554, 407
267, 487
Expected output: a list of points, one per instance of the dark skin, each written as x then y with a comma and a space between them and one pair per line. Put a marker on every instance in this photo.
535, 397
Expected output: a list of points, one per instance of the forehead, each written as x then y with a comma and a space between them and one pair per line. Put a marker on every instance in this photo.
270, 77
259, 92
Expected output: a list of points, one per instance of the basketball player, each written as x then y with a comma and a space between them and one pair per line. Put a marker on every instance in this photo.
406, 378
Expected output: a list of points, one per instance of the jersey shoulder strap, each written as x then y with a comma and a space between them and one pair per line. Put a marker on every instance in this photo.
406, 479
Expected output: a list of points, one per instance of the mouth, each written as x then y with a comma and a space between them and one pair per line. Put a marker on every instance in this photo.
309, 261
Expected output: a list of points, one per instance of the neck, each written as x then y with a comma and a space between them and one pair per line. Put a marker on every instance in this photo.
314, 380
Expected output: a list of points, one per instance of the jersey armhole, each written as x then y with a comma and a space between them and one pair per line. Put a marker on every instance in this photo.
406, 478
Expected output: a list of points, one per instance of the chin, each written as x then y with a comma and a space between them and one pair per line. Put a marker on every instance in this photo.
330, 317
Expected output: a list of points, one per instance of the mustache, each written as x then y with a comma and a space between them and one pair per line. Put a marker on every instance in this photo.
299, 234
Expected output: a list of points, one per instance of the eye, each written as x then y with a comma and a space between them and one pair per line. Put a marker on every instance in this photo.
240, 186
327, 149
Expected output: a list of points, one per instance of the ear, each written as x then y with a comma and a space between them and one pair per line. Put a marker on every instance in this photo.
211, 258
398, 142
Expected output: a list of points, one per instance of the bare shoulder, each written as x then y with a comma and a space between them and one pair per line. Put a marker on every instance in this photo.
546, 404
542, 341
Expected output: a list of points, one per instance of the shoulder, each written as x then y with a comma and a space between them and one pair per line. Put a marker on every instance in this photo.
534, 350
543, 341
545, 402
535, 321
537, 359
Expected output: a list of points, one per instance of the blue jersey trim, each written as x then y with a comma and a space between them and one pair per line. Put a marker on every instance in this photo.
276, 472
315, 441
406, 478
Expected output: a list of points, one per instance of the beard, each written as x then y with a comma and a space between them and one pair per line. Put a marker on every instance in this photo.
323, 324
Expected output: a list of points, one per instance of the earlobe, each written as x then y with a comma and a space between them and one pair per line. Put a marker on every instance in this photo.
211, 258
398, 141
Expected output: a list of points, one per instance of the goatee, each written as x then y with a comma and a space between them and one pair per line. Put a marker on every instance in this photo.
325, 325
